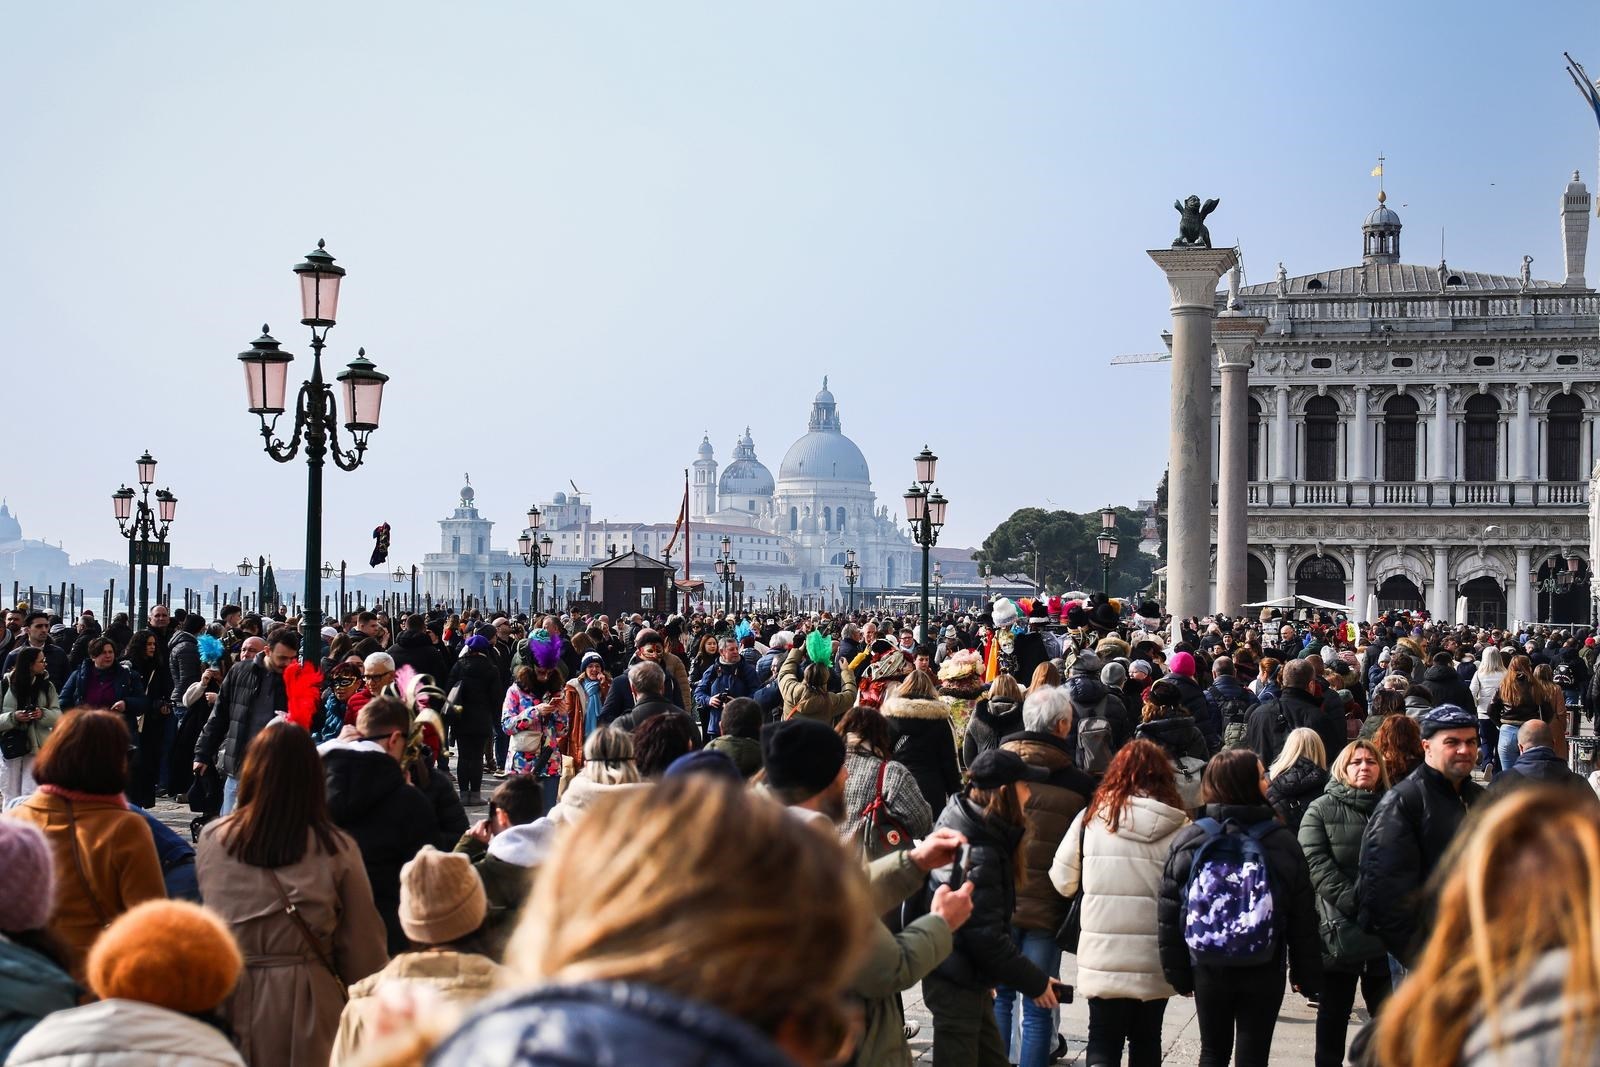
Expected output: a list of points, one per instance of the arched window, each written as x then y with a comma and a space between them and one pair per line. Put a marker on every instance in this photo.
1562, 462
1322, 439
794, 518
827, 518
1481, 435
1400, 439
1254, 446
840, 515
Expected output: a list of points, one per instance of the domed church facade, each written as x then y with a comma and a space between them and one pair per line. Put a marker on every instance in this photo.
821, 503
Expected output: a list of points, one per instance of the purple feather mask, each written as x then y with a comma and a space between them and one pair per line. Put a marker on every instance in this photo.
545, 648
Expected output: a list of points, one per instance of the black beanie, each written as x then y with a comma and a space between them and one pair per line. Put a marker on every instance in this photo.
801, 754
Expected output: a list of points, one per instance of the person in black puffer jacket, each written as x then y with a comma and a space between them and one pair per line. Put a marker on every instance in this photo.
1168, 723
1412, 827
370, 799
478, 702
997, 715
1293, 707
924, 740
1298, 777
1181, 670
957, 993
1242, 1000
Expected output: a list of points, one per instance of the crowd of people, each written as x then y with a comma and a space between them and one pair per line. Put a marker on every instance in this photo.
744, 840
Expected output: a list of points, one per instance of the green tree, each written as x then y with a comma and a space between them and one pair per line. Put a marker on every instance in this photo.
1058, 551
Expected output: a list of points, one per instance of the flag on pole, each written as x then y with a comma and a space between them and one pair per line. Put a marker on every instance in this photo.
1377, 172
677, 528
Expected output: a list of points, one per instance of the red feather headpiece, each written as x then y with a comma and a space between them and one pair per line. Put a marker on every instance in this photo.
302, 682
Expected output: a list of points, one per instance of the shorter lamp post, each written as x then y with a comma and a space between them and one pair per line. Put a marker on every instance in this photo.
145, 534
246, 569
535, 551
925, 508
1106, 543
988, 576
399, 577
852, 573
738, 594
938, 580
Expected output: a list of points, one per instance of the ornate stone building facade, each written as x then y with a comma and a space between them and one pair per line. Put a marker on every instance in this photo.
1419, 434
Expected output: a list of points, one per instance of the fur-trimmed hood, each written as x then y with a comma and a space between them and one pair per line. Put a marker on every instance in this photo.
912, 708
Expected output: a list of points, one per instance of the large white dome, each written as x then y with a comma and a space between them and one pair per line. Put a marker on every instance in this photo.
825, 452
830, 456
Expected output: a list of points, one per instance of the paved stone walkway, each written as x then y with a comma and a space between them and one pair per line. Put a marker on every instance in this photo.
1293, 1042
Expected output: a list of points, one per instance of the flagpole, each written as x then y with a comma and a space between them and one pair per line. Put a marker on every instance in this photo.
686, 539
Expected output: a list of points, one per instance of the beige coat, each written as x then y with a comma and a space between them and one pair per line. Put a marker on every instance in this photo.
285, 1011
1117, 949
456, 981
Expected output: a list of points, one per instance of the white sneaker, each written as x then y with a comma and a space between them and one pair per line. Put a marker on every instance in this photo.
912, 1030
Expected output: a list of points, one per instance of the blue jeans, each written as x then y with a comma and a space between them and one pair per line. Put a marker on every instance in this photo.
1488, 745
1507, 746
1038, 1024
230, 794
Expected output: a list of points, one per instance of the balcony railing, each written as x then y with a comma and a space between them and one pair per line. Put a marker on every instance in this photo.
1415, 494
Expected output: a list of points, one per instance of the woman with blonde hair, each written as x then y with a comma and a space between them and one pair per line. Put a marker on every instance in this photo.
1330, 836
1298, 775
608, 767
1509, 976
1484, 685
597, 961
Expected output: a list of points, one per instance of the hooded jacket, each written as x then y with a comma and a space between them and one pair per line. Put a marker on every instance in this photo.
991, 720
1405, 839
235, 718
1446, 687
1120, 874
390, 819
1293, 790
415, 649
452, 980
1050, 808
800, 701
1291, 894
31, 987
924, 741
1177, 735
1199, 708
984, 955
183, 663
479, 698
605, 1023
1330, 836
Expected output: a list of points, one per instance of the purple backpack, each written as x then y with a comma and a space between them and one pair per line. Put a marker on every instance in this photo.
1228, 915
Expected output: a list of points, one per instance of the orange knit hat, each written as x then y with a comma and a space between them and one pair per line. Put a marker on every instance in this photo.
169, 953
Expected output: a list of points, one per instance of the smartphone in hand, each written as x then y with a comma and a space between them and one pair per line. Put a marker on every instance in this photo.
961, 867
1063, 991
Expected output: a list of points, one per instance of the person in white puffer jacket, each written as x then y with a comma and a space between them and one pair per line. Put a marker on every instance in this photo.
1116, 849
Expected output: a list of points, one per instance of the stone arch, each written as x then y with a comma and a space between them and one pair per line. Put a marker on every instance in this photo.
1403, 563
1335, 552
1470, 564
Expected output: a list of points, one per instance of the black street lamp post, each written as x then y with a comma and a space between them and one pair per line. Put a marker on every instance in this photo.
852, 574
327, 575
535, 551
1106, 544
925, 508
988, 576
316, 423
727, 569
146, 532
259, 569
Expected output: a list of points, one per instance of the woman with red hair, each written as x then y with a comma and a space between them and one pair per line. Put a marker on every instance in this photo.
1114, 854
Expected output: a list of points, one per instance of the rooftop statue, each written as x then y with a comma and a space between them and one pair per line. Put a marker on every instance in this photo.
1192, 232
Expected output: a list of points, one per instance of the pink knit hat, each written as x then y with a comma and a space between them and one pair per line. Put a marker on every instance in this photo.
1181, 663
27, 877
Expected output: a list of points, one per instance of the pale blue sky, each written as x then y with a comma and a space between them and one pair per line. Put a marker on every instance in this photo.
578, 235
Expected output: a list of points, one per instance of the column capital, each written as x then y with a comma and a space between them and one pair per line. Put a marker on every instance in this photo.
1236, 336
1193, 274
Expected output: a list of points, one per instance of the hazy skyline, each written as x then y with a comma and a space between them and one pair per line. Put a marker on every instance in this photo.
580, 236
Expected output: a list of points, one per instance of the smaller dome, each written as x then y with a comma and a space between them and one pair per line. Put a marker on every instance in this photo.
824, 396
559, 498
1381, 216
468, 493
705, 451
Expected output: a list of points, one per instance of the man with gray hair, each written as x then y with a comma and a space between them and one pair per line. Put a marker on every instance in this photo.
648, 682
1048, 808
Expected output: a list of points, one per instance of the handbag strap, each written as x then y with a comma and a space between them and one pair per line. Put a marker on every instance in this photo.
77, 861
305, 930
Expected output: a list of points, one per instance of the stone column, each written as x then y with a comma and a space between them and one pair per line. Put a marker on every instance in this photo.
1441, 605
1192, 274
1521, 437
1439, 457
1522, 600
1283, 465
1360, 467
1280, 572
1236, 338
1361, 585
